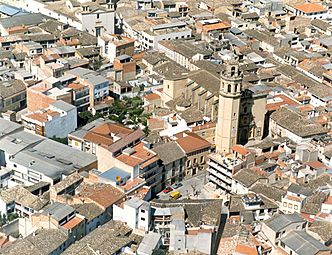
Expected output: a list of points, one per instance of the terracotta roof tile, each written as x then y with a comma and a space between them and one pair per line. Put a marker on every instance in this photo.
73, 222
310, 7
141, 155
240, 149
280, 100
152, 96
104, 195
316, 165
205, 126
191, 142
246, 250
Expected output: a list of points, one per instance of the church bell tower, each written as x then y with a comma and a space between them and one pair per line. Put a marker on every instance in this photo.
229, 106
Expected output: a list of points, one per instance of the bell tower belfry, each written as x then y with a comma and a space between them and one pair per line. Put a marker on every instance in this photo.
229, 107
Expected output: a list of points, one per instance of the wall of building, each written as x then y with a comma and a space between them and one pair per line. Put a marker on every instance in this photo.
37, 101
61, 126
173, 89
105, 19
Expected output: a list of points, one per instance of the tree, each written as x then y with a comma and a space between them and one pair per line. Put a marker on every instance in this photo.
129, 111
146, 130
96, 63
159, 252
11, 217
6, 219
87, 117
60, 140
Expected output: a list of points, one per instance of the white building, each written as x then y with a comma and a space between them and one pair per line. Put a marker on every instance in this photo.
58, 120
221, 170
309, 10
168, 31
112, 46
33, 158
135, 212
294, 199
89, 16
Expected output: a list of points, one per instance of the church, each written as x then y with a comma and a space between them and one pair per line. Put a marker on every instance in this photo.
237, 108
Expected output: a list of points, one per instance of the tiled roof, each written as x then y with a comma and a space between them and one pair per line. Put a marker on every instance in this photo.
191, 142
103, 195
310, 7
240, 149
152, 96
140, 155
73, 222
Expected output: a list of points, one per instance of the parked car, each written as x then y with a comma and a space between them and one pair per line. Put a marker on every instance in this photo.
175, 195
177, 185
167, 190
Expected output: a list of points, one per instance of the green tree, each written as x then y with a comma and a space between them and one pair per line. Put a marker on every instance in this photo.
129, 111
87, 117
60, 140
11, 217
96, 64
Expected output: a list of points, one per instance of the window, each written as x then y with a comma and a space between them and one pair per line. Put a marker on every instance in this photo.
143, 219
285, 204
290, 205
229, 88
195, 160
188, 163
233, 70
202, 159
295, 207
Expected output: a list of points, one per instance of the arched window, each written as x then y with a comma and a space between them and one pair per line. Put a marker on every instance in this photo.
229, 88
235, 87
233, 70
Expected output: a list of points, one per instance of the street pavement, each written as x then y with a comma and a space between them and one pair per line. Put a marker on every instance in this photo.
193, 188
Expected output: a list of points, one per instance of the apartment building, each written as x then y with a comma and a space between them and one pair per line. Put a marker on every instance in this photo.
89, 16
280, 225
58, 120
135, 212
98, 88
294, 199
112, 46
81, 96
13, 95
168, 31
196, 150
221, 168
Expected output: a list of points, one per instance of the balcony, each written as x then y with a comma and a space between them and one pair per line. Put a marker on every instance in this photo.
220, 176
219, 183
218, 168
